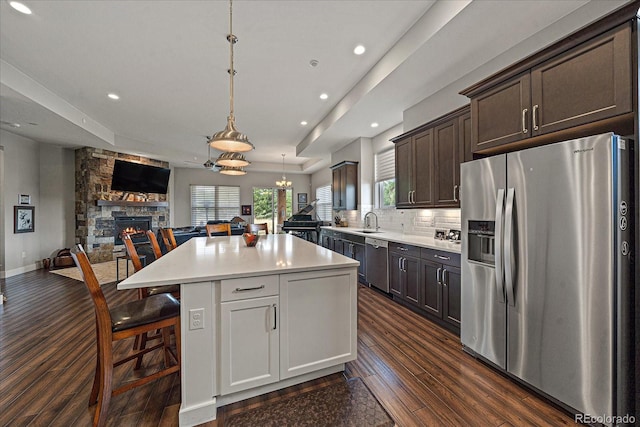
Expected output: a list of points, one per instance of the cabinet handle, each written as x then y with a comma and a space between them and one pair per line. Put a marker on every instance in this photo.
400, 264
402, 249
249, 289
534, 113
455, 187
414, 196
524, 121
442, 257
275, 317
438, 277
444, 278
404, 265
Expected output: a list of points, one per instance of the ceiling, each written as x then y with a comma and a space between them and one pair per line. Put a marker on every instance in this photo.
168, 61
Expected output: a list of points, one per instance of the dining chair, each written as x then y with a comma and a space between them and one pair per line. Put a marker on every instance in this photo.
256, 228
218, 228
161, 311
168, 238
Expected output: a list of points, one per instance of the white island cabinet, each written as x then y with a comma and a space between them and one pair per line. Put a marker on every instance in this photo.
254, 320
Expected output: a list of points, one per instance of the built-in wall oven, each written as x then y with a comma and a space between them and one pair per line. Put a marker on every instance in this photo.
377, 263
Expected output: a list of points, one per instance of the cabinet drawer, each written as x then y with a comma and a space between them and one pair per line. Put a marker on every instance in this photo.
249, 287
403, 249
442, 257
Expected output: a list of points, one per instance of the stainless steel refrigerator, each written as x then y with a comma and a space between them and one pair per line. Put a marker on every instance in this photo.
546, 269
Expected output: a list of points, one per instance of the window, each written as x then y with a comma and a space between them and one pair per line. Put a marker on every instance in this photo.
214, 202
323, 205
385, 177
265, 206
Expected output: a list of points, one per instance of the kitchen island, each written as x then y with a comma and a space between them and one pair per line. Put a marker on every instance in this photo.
254, 320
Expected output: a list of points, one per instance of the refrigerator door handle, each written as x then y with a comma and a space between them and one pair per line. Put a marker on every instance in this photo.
498, 245
509, 254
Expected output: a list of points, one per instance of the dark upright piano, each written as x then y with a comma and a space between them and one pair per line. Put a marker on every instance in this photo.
303, 224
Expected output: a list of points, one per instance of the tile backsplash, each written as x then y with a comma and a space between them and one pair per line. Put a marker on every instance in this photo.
413, 221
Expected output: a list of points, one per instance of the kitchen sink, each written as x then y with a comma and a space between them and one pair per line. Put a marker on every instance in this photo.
370, 231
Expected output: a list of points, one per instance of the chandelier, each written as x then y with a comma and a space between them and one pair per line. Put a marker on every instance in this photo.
284, 183
231, 141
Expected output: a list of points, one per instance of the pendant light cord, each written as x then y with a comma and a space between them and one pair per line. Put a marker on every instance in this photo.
232, 40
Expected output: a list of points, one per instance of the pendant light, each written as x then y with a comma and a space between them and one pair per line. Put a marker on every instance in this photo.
232, 159
230, 139
232, 170
284, 184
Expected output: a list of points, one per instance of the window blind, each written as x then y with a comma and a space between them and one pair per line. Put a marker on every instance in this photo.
214, 202
385, 165
323, 205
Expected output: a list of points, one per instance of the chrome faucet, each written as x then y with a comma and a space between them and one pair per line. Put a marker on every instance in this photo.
367, 222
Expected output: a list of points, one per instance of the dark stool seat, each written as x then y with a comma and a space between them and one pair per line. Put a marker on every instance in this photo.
144, 311
169, 289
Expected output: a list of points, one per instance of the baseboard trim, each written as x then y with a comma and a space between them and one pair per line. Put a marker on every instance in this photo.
20, 270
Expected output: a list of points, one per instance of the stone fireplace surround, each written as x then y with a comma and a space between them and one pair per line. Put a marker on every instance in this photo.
97, 206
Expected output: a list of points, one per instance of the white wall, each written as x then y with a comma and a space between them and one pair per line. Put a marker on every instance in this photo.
319, 179
47, 174
184, 177
57, 198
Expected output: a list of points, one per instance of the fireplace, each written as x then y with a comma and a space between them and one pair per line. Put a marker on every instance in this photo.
134, 225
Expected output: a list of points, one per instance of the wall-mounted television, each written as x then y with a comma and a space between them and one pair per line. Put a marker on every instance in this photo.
139, 178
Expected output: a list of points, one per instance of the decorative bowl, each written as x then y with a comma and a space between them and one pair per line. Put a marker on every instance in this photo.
250, 239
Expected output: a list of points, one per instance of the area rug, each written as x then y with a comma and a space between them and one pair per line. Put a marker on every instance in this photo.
347, 403
105, 271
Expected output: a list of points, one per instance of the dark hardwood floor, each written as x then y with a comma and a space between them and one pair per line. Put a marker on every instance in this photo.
416, 370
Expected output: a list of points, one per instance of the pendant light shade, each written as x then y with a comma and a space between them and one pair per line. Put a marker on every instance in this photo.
230, 139
231, 170
232, 159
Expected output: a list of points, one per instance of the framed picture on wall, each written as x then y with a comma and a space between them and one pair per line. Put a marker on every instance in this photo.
24, 199
246, 209
23, 219
302, 199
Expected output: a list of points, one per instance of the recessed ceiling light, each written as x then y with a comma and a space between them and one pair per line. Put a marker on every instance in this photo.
20, 7
324, 96
374, 125
359, 50
113, 96
303, 123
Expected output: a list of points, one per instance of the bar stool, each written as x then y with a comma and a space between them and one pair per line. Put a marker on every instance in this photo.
160, 311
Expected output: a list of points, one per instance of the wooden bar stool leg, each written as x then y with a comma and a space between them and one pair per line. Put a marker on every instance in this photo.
177, 332
166, 338
104, 395
93, 397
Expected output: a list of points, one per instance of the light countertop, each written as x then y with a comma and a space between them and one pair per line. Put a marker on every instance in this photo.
214, 258
409, 239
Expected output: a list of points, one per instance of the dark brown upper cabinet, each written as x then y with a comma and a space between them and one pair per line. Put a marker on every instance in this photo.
414, 169
586, 83
447, 155
344, 186
428, 161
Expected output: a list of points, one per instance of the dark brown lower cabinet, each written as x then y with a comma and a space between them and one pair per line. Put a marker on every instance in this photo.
432, 287
347, 245
404, 277
451, 305
440, 284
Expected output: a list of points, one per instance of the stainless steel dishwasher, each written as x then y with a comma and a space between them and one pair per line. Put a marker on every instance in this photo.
377, 263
